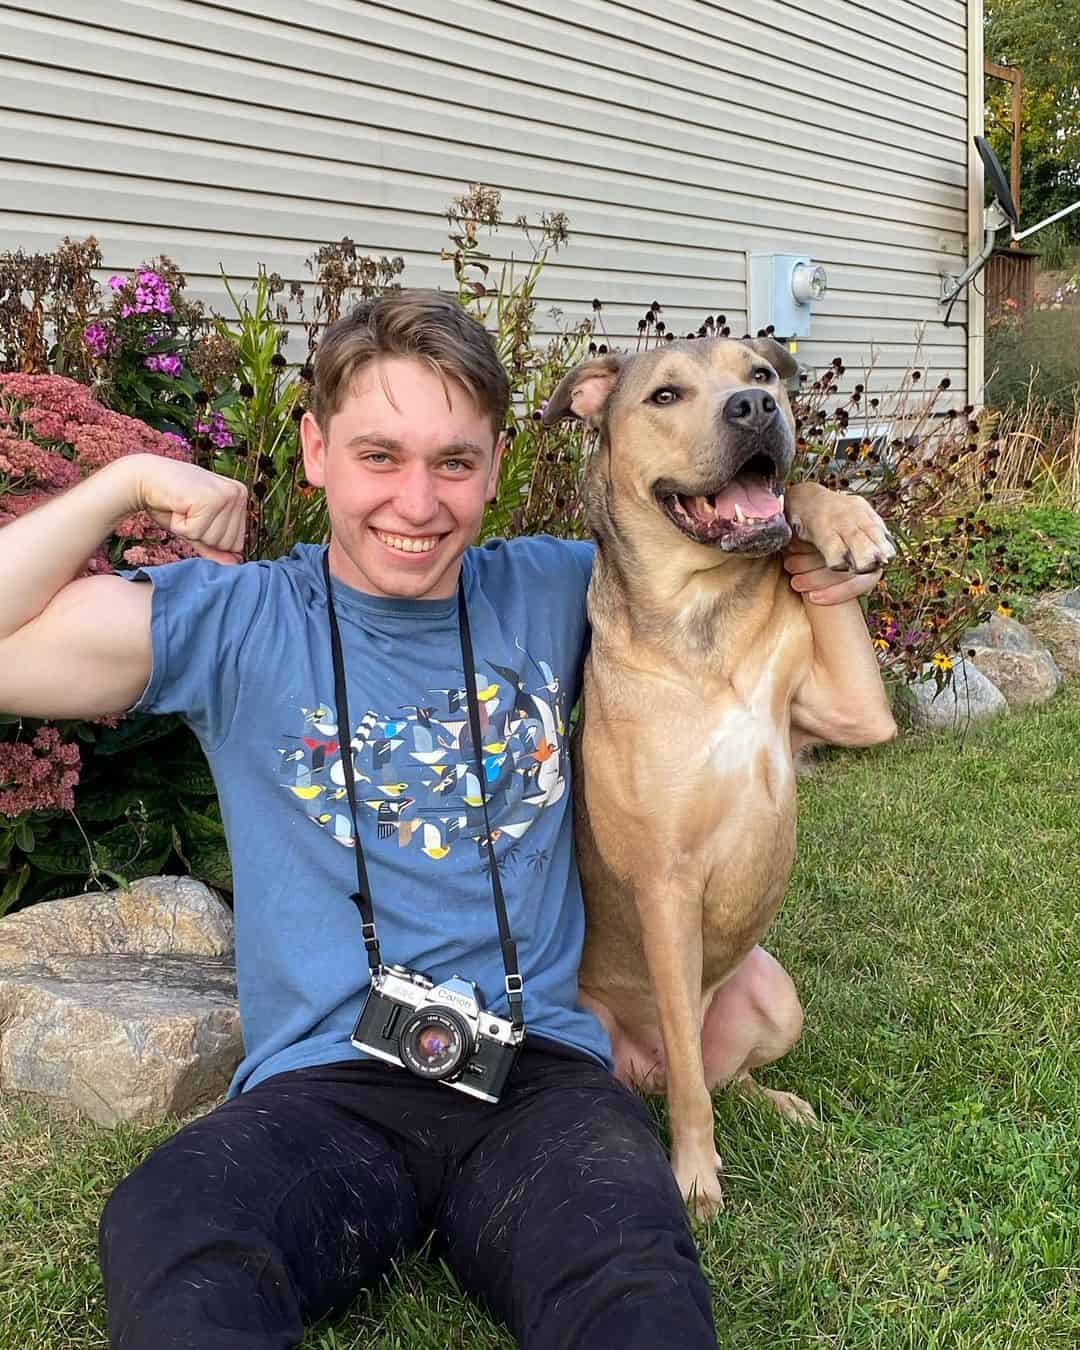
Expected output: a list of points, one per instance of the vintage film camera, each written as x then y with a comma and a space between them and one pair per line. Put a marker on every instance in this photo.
438, 1032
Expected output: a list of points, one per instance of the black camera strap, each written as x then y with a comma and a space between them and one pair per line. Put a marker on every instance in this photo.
362, 896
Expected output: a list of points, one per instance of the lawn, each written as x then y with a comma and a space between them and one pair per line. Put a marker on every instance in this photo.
931, 927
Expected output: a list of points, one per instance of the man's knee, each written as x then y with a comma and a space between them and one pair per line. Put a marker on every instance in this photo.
771, 993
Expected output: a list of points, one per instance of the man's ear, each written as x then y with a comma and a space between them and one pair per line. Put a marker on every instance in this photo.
311, 439
777, 356
584, 392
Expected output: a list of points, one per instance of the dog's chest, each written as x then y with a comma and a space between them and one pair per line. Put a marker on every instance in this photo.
748, 737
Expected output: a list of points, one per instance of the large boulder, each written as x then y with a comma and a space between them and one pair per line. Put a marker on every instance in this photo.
1055, 620
969, 697
121, 1004
1013, 659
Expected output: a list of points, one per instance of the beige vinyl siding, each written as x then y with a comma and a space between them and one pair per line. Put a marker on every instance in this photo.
676, 135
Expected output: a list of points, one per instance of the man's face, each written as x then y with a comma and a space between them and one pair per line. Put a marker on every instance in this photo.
407, 464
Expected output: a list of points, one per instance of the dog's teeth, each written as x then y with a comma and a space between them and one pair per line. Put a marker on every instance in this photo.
781, 496
739, 515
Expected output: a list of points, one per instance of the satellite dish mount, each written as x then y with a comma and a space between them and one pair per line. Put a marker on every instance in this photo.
1001, 212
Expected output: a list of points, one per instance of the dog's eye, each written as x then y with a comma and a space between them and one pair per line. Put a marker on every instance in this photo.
664, 395
762, 374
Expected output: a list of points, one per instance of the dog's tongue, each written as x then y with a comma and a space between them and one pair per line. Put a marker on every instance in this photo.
752, 496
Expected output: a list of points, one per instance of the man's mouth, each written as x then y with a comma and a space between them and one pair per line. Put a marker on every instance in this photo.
408, 543
743, 515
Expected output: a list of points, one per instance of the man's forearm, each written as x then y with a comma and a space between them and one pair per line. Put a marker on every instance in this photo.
845, 683
48, 547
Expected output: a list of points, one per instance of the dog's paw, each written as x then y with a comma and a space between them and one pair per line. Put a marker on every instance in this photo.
843, 527
792, 1108
700, 1186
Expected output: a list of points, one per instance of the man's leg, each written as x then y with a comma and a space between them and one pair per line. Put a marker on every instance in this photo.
566, 1220
255, 1219
755, 1017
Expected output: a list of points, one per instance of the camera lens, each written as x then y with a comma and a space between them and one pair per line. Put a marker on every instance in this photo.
434, 1043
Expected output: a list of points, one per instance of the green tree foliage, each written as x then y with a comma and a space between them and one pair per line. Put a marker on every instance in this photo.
1042, 37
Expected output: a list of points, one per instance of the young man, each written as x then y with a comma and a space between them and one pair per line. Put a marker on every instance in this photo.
556, 1205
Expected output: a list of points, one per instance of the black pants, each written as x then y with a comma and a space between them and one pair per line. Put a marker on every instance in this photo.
556, 1207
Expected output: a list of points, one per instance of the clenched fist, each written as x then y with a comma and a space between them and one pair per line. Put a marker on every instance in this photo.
204, 508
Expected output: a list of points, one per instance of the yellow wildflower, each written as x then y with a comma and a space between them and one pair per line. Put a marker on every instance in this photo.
940, 660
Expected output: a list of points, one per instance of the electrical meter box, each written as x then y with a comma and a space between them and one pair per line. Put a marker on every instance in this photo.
781, 288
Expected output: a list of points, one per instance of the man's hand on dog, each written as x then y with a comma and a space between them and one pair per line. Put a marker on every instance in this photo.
821, 584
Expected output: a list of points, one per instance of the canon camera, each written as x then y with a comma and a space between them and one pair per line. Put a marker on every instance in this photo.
438, 1032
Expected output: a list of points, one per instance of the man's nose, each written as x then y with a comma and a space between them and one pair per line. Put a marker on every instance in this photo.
750, 409
416, 500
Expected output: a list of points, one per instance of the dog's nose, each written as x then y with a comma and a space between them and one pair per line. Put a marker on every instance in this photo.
750, 409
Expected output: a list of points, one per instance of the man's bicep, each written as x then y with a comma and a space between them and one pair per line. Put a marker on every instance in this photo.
87, 653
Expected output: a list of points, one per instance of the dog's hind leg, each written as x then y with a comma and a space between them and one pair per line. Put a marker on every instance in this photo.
754, 1018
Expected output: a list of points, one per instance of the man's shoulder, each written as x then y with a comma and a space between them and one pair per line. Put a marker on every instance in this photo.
535, 556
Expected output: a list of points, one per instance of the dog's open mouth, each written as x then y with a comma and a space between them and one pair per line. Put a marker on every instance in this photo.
743, 515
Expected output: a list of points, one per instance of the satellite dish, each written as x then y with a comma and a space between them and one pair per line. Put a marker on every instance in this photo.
998, 183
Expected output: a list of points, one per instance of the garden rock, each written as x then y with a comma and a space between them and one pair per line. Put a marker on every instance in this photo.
1055, 619
121, 1004
1014, 660
971, 697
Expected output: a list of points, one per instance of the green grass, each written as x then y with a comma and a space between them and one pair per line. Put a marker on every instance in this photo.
931, 929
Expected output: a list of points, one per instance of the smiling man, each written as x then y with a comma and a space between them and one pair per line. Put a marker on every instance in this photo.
550, 1197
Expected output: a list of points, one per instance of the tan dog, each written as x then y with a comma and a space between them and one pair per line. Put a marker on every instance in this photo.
704, 676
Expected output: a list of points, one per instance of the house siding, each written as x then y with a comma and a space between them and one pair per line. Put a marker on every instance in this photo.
677, 135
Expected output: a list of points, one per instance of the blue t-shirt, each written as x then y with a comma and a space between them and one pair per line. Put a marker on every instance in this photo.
243, 655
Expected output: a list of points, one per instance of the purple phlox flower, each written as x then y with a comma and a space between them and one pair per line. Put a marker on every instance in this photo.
151, 296
117, 283
217, 429
97, 338
181, 441
166, 364
914, 636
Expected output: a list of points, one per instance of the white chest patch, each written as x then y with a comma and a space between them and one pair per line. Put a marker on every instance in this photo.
744, 730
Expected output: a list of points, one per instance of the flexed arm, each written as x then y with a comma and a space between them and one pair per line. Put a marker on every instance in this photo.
81, 648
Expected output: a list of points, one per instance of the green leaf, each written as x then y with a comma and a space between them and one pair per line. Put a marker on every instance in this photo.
7, 843
24, 836
9, 719
64, 856
191, 777
141, 850
197, 827
13, 888
108, 803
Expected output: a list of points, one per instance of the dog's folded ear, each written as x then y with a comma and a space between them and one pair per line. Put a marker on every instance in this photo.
584, 392
777, 356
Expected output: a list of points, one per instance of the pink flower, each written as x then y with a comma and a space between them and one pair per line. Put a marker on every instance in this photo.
38, 775
117, 283
29, 463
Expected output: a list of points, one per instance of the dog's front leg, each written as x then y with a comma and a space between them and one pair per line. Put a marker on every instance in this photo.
671, 934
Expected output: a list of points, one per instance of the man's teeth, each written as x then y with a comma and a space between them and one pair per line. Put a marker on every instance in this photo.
408, 545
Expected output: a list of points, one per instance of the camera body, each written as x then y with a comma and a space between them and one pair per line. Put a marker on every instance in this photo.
440, 1033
